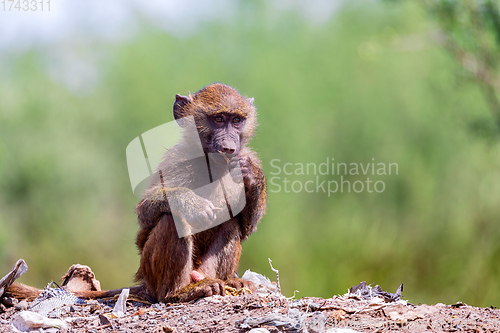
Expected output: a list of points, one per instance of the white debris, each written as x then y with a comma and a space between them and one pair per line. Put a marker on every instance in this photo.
26, 321
259, 330
19, 269
120, 309
262, 283
51, 301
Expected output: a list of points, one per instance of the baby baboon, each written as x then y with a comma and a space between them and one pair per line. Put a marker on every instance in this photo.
175, 268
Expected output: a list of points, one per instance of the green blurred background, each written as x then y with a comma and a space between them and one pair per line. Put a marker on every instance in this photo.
361, 80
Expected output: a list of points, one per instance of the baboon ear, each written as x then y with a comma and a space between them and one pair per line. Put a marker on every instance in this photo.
250, 100
180, 101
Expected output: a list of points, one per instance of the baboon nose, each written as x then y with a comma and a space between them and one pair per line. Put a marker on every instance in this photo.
228, 150
228, 147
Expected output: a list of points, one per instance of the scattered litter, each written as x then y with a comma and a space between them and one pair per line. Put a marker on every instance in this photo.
51, 300
17, 270
26, 321
230, 291
120, 309
273, 319
366, 292
277, 275
363, 308
262, 283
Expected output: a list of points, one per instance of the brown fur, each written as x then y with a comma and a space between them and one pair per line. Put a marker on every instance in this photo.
167, 260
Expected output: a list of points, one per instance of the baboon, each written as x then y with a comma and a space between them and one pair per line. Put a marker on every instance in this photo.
181, 256
174, 268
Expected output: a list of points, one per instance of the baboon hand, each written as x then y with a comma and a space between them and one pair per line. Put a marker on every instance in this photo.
197, 211
245, 165
235, 170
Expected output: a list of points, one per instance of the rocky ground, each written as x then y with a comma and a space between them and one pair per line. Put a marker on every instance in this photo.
271, 311
362, 309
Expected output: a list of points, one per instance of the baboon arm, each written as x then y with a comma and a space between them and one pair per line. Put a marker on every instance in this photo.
155, 204
255, 191
150, 211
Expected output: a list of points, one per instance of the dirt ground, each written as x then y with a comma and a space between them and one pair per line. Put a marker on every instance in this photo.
271, 311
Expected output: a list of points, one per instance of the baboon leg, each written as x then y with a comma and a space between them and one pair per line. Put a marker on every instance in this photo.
166, 260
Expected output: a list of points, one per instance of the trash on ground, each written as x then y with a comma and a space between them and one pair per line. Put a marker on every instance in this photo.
367, 292
51, 301
17, 270
262, 283
26, 321
120, 309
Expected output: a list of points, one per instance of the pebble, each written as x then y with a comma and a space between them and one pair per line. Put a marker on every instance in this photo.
158, 306
10, 301
21, 306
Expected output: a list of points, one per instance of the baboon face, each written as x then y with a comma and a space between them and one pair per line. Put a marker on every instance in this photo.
225, 120
225, 131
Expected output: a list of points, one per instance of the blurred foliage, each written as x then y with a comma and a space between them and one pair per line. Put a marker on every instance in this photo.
370, 83
470, 31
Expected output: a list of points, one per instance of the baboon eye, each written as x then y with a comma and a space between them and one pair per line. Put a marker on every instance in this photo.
218, 119
236, 120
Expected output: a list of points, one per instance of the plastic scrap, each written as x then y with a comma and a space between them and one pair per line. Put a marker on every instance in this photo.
17, 270
366, 292
262, 283
51, 300
277, 275
26, 321
120, 308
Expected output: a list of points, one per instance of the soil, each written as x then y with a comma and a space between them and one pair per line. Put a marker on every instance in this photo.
271, 311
